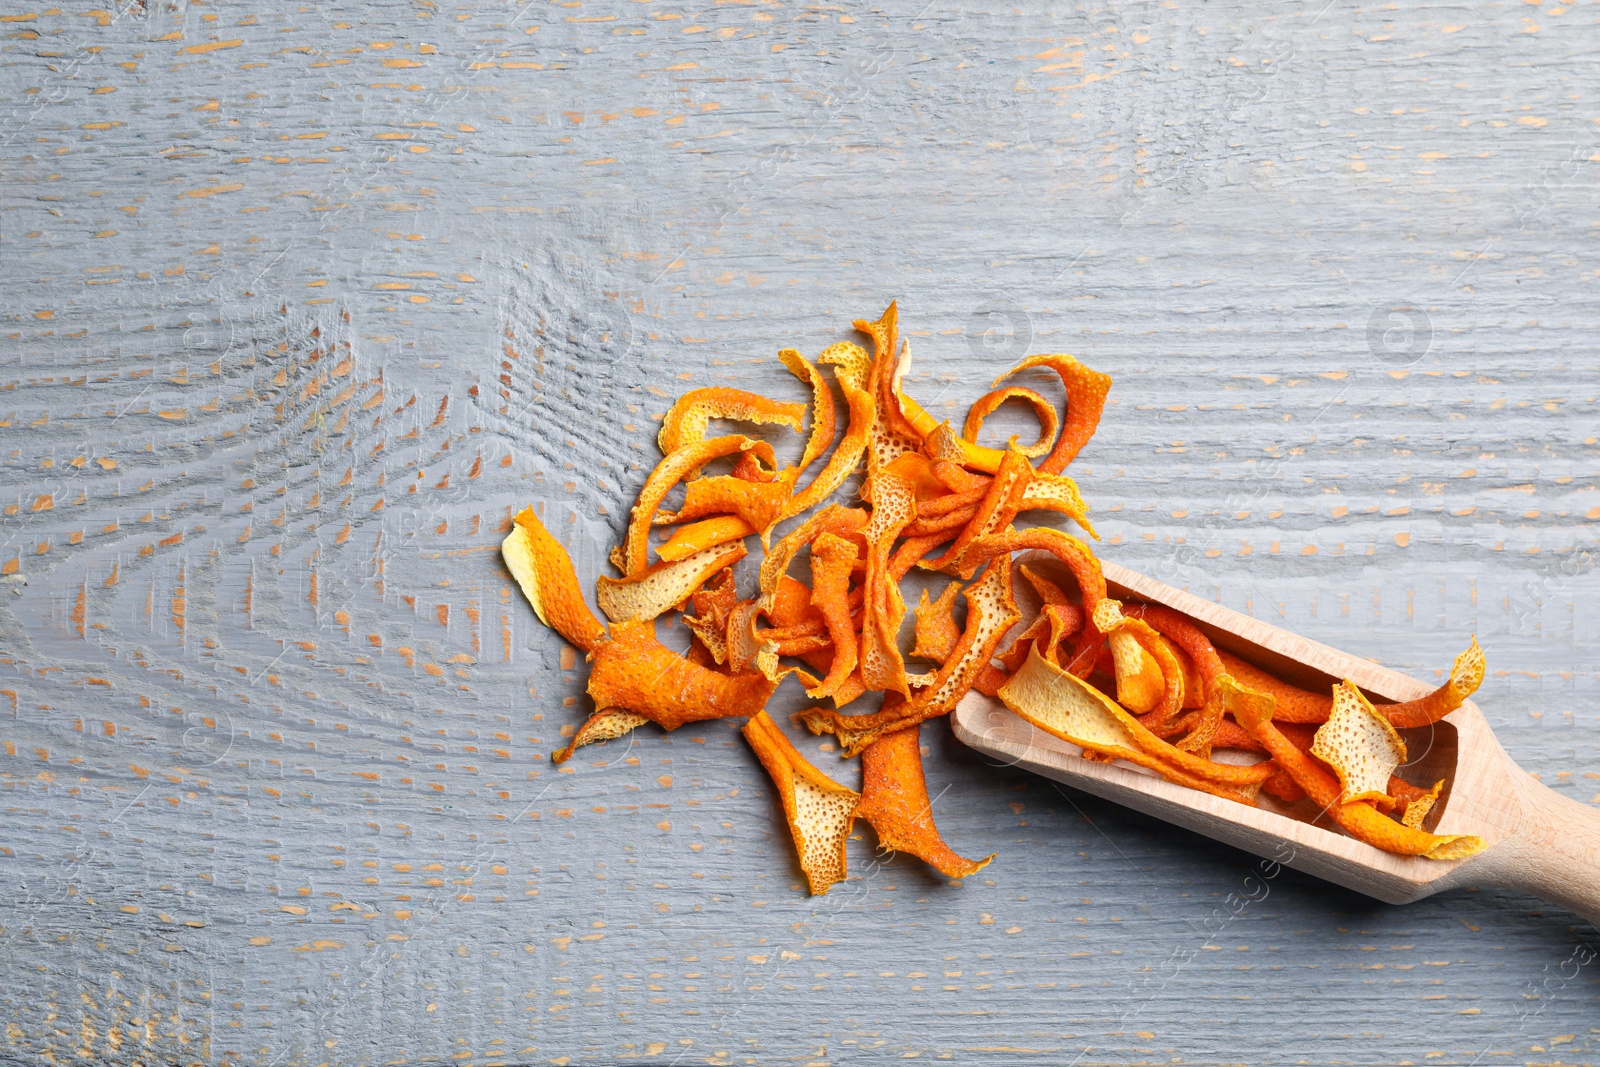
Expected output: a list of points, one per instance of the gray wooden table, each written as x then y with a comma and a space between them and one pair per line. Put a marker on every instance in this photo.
301, 302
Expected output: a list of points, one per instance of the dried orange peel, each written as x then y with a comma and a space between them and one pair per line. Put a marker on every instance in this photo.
544, 571
1126, 681
636, 672
936, 631
832, 560
1064, 705
988, 403
1086, 400
894, 801
1360, 746
695, 537
818, 809
662, 586
1253, 711
691, 414
669, 472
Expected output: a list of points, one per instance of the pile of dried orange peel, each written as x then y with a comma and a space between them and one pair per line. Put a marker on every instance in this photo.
1133, 682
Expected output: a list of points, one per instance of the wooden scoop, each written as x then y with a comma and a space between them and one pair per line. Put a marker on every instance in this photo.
1538, 840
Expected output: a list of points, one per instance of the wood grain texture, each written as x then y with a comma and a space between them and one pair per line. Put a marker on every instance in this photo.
301, 302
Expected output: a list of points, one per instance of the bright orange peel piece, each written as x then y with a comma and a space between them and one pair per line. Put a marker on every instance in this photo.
824, 413
695, 537
936, 631
1086, 400
894, 801
669, 472
544, 571
634, 671
832, 560
988, 403
990, 613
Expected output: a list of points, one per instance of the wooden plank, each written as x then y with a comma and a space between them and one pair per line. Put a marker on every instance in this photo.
302, 301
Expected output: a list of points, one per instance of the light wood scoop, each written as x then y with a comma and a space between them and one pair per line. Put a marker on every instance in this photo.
1538, 840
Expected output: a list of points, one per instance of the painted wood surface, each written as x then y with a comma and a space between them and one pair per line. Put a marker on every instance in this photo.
301, 301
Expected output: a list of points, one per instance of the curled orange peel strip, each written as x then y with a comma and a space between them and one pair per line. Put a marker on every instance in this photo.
662, 586
993, 513
686, 421
1193, 688
1466, 674
1254, 711
1069, 708
1079, 560
698, 536
824, 413
835, 519
544, 571
985, 405
912, 550
818, 809
1086, 400
1201, 664
852, 369
1141, 683
832, 559
669, 472
759, 504
1298, 705
635, 672
894, 801
890, 358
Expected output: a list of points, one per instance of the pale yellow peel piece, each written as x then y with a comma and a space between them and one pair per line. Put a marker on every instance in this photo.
1360, 746
1418, 809
605, 725
662, 586
1057, 492
1062, 704
1065, 710
818, 809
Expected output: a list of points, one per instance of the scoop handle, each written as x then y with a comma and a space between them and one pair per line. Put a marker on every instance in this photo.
1555, 853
